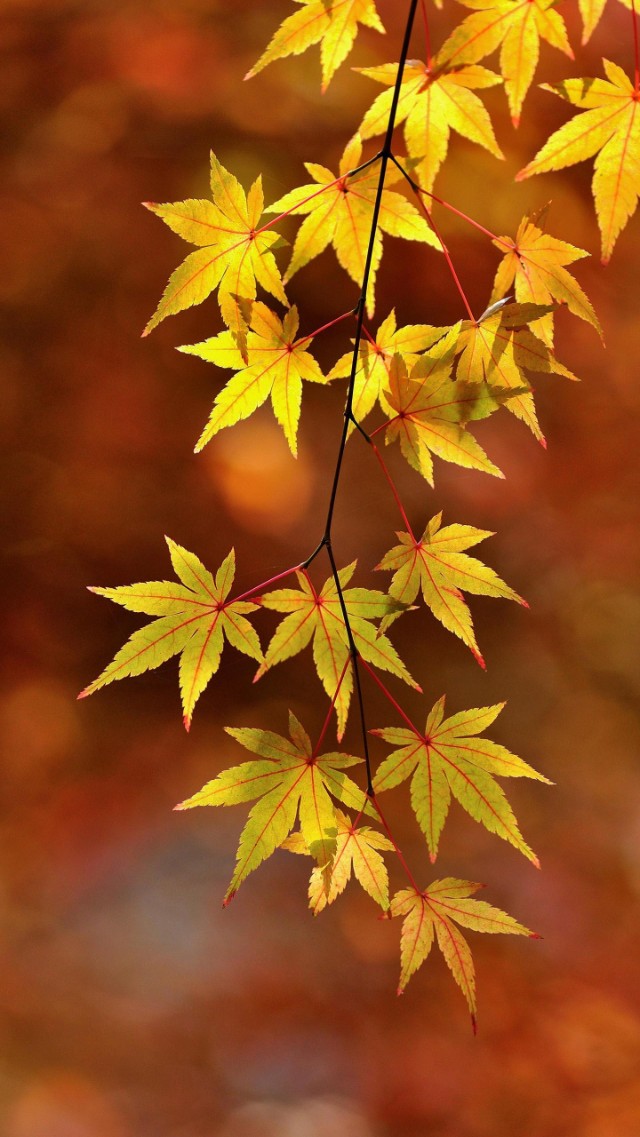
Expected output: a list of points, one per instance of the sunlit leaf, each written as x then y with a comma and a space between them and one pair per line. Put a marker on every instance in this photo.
437, 566
433, 915
516, 26
277, 363
331, 23
434, 100
290, 781
233, 255
609, 128
447, 759
317, 616
358, 853
193, 620
341, 216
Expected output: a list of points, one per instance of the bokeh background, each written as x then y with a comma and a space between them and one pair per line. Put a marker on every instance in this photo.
132, 1005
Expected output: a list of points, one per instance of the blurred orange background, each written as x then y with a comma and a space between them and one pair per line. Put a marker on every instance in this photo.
131, 1004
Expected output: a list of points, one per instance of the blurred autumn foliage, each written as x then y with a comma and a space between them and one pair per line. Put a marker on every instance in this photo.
131, 1004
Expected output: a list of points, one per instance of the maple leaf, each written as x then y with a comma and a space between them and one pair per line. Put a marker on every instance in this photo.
429, 412
358, 852
277, 364
433, 915
374, 360
534, 267
500, 348
437, 566
234, 254
318, 616
341, 215
193, 620
609, 127
447, 759
434, 100
591, 11
290, 781
331, 23
517, 27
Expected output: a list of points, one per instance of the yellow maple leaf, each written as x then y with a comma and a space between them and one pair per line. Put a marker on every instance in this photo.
331, 23
533, 266
434, 99
276, 365
342, 215
516, 27
233, 255
609, 128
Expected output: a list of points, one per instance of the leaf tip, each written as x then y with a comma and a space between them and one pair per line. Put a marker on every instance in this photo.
535, 861
432, 858
535, 936
179, 807
186, 722
479, 659
83, 694
400, 991
474, 1024
228, 898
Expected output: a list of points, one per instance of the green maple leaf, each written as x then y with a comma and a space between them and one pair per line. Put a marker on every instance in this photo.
500, 348
331, 23
434, 100
433, 915
318, 616
193, 620
289, 781
341, 215
277, 363
437, 566
374, 361
448, 759
358, 852
429, 412
234, 254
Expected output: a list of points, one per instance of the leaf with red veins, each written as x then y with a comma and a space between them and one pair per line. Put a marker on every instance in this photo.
516, 27
358, 853
235, 254
608, 128
317, 616
277, 364
289, 780
500, 349
429, 412
437, 566
432, 915
374, 360
534, 267
449, 760
434, 100
193, 618
341, 216
331, 23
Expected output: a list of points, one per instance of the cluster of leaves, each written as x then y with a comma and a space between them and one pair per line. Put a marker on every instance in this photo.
429, 385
